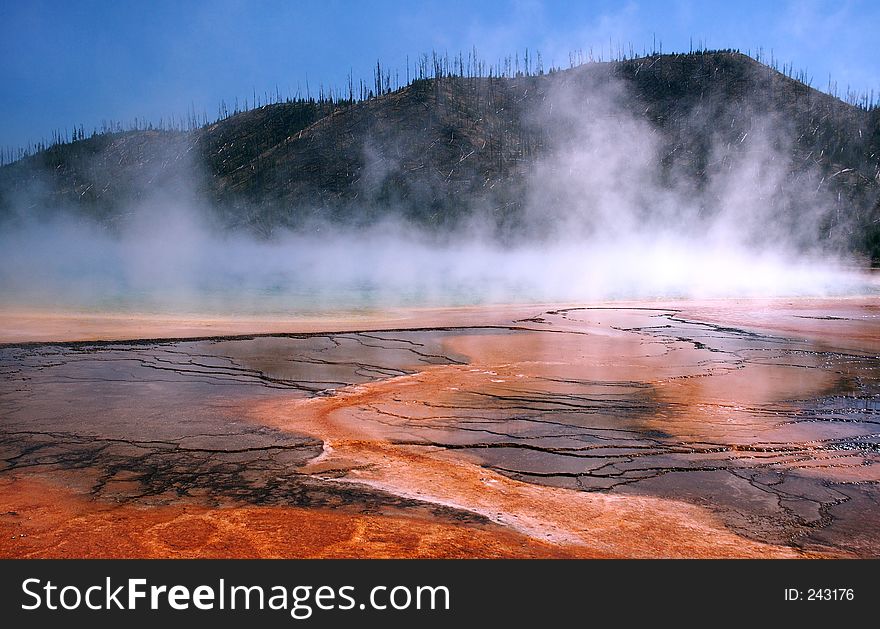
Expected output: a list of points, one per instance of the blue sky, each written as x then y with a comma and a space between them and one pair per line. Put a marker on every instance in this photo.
67, 63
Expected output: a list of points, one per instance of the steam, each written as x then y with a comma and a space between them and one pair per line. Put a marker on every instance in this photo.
609, 214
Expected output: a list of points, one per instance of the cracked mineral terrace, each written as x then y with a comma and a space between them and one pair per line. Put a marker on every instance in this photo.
699, 429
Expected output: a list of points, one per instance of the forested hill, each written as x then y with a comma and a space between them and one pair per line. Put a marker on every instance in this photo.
442, 149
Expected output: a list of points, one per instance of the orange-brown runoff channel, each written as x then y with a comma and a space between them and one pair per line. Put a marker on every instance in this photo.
693, 429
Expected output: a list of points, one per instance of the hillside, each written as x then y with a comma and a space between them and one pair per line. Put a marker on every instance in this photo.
444, 149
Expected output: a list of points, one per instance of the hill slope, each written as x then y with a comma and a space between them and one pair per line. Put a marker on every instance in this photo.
441, 151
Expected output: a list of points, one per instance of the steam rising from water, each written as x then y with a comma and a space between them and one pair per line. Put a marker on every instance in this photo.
187, 269
602, 221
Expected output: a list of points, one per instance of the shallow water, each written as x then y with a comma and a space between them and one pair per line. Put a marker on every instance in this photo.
186, 269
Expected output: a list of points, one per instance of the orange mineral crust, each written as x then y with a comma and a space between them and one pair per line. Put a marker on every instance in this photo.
41, 519
652, 429
45, 325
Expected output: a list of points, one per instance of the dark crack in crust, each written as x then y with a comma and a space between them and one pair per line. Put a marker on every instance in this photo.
148, 422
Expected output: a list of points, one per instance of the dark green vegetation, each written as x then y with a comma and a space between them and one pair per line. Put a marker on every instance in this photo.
454, 146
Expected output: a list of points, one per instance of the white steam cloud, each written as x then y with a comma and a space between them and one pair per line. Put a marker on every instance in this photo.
608, 216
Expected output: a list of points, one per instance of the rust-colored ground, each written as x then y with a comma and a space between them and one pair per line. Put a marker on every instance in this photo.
46, 326
40, 519
694, 429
